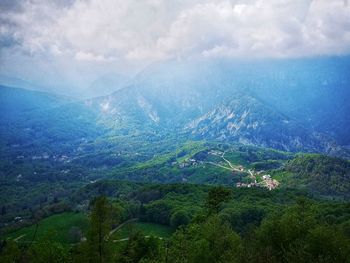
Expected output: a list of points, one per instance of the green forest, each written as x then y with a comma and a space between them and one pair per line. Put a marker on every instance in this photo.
174, 131
76, 189
199, 202
188, 223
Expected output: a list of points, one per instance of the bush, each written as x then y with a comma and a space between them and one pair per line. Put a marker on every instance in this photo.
179, 218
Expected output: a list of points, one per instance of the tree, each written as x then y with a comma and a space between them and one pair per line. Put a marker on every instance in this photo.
179, 218
209, 242
180, 246
296, 236
216, 197
158, 212
100, 225
327, 245
46, 250
141, 249
224, 245
9, 252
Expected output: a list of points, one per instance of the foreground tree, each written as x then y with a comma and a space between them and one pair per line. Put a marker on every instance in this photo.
9, 252
211, 241
100, 225
295, 236
46, 250
140, 248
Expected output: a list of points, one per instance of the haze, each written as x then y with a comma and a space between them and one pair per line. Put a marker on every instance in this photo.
64, 46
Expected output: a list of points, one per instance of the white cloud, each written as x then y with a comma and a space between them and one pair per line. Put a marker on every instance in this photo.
133, 32
261, 29
154, 29
88, 56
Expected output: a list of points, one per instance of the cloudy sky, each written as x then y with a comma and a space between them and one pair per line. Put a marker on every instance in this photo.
69, 43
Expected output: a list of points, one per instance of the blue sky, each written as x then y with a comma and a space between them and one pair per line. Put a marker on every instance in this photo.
70, 43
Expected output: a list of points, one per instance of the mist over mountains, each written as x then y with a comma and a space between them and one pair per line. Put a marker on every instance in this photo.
175, 131
291, 105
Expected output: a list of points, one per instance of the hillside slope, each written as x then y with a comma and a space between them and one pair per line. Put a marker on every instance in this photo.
320, 174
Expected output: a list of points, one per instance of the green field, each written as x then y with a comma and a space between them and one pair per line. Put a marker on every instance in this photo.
56, 228
148, 229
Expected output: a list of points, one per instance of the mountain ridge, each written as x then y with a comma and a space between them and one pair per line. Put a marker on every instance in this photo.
172, 95
254, 103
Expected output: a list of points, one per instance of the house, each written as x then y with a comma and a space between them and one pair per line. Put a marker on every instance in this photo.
18, 219
183, 165
266, 177
18, 177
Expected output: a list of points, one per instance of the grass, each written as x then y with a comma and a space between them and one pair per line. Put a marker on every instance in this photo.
55, 227
208, 173
148, 229
236, 158
189, 148
281, 176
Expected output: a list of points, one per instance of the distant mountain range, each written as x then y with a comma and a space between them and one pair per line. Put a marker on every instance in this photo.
298, 105
292, 105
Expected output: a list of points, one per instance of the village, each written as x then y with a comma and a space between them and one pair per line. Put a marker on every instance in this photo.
257, 178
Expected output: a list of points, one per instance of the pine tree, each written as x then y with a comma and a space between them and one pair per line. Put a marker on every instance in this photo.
100, 225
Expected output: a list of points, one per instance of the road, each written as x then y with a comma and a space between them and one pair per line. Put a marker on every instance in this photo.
232, 167
219, 165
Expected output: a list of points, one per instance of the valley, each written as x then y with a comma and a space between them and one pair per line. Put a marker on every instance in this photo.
174, 131
156, 160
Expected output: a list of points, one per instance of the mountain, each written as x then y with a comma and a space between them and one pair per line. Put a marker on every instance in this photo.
17, 100
16, 82
188, 125
246, 120
312, 91
293, 105
34, 121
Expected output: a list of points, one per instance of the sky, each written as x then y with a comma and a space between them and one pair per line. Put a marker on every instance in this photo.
67, 44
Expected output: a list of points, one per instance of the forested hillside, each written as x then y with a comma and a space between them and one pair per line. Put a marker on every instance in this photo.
320, 174
189, 223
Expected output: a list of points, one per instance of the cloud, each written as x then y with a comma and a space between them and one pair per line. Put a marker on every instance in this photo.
155, 29
132, 32
261, 29
88, 56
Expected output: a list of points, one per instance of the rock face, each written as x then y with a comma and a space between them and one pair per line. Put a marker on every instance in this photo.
299, 105
246, 120
265, 105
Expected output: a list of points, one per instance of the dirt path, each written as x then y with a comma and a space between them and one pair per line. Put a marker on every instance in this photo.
126, 239
121, 225
224, 167
252, 174
229, 163
18, 238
